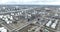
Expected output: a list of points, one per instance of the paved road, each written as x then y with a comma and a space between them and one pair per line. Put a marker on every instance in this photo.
7, 26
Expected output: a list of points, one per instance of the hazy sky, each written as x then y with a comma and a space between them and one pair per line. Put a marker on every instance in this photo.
33, 2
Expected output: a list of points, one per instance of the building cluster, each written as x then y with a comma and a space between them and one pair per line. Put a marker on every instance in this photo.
29, 19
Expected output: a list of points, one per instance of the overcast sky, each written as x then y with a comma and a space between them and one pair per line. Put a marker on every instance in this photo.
33, 2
